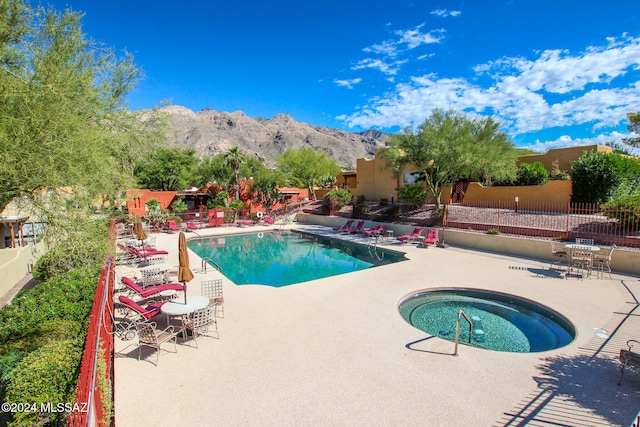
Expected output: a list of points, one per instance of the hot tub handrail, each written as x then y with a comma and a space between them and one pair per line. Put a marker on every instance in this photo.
462, 313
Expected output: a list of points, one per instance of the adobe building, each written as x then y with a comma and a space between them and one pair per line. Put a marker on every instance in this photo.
374, 181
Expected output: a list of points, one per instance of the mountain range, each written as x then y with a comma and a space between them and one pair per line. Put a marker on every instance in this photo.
210, 132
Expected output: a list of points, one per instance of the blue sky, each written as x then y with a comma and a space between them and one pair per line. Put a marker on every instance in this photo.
555, 73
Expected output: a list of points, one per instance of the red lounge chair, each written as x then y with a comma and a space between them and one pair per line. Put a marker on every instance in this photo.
191, 226
149, 291
268, 220
415, 234
356, 229
344, 226
173, 226
376, 230
432, 238
149, 312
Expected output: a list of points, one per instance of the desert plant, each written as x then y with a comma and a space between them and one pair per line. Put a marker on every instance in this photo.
532, 174
413, 195
360, 210
179, 205
493, 231
338, 198
152, 205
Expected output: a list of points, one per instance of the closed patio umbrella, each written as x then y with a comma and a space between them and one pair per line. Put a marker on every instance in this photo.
140, 234
184, 272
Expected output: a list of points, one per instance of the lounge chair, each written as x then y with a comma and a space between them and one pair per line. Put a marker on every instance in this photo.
148, 312
414, 236
356, 229
149, 291
172, 226
268, 220
149, 336
344, 226
432, 238
375, 230
190, 226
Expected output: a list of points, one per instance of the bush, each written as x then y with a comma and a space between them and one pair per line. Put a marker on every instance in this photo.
360, 210
532, 174
413, 195
179, 205
175, 218
384, 201
598, 176
47, 375
626, 209
391, 213
338, 198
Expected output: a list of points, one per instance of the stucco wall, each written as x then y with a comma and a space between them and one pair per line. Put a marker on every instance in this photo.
550, 192
564, 156
14, 265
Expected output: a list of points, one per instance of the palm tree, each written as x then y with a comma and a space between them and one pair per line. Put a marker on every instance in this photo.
233, 158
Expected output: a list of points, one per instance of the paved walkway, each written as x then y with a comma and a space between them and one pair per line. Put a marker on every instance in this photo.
335, 351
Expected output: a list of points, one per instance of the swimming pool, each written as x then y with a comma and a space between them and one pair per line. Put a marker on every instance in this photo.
501, 322
281, 258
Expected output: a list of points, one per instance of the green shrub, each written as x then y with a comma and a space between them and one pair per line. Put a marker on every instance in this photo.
175, 218
625, 209
47, 375
493, 231
413, 195
236, 205
360, 210
384, 201
152, 205
596, 177
360, 199
532, 174
179, 205
391, 213
338, 198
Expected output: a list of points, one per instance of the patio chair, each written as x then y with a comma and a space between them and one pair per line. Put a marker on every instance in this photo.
134, 289
582, 260
212, 289
344, 226
199, 322
146, 313
375, 230
584, 241
268, 220
415, 235
152, 277
190, 226
629, 358
431, 239
602, 261
172, 226
356, 229
559, 253
149, 336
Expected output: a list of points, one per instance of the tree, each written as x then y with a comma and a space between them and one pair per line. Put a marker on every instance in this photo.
634, 128
233, 158
448, 147
166, 169
63, 121
306, 167
265, 187
532, 174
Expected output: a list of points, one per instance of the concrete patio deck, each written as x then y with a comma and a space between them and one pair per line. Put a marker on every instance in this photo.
336, 352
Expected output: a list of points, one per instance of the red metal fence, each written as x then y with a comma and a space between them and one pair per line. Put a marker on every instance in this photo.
94, 394
548, 220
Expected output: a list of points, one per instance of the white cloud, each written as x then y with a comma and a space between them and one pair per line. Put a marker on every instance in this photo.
443, 13
389, 68
554, 90
386, 52
347, 83
568, 141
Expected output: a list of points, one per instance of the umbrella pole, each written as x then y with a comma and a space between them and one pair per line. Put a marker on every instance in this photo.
184, 286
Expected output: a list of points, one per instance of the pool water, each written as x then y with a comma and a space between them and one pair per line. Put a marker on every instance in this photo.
281, 258
501, 322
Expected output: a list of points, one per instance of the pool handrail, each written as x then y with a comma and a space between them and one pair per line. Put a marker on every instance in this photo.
463, 314
208, 260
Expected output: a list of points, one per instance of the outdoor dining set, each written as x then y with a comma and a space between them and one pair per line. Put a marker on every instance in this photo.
148, 297
582, 257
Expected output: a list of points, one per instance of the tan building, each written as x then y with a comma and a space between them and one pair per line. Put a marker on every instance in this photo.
372, 180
